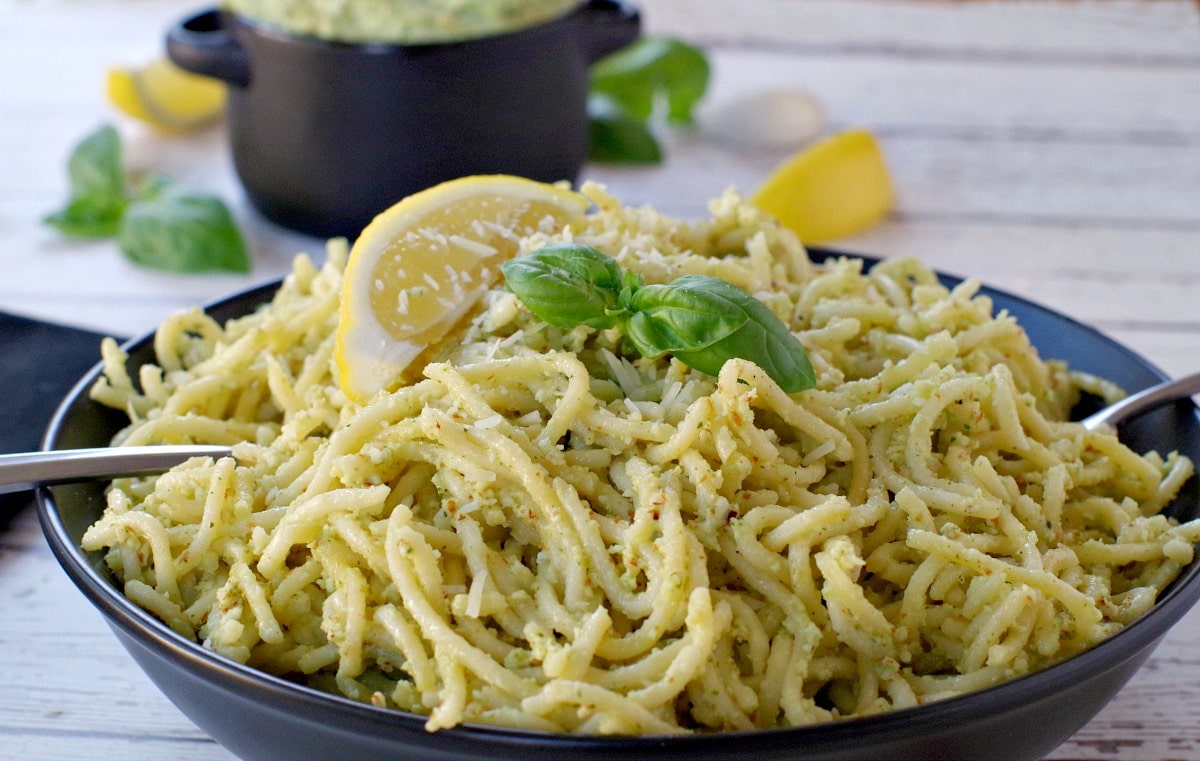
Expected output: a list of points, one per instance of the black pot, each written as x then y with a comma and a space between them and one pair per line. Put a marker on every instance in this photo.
325, 135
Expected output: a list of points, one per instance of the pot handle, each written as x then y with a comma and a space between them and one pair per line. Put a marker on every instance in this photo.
202, 44
609, 25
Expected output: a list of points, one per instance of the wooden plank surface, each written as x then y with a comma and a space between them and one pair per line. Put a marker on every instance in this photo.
1048, 148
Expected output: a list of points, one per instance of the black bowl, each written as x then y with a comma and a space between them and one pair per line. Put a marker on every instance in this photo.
258, 716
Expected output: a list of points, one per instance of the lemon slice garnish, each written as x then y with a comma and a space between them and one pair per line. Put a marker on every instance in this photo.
834, 188
421, 265
165, 96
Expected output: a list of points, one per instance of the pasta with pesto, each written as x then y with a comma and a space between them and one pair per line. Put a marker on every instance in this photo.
536, 530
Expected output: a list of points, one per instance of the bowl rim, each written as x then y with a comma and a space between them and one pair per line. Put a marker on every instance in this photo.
1144, 632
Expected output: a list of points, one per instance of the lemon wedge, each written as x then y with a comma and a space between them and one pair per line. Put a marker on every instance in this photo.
831, 189
421, 265
165, 96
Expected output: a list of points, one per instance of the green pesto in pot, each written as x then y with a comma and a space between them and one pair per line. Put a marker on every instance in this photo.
402, 22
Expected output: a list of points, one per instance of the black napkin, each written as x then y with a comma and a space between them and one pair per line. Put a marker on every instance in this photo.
39, 363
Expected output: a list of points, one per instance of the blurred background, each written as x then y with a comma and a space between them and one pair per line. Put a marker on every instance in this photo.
1050, 148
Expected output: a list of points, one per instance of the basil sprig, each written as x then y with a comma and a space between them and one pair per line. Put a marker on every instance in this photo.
629, 87
702, 321
162, 225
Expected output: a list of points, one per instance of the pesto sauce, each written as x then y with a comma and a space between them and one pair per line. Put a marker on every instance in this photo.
400, 21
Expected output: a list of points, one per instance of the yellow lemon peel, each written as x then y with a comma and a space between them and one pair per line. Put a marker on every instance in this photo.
834, 188
165, 96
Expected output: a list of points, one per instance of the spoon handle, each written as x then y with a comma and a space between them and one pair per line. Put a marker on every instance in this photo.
27, 470
1136, 404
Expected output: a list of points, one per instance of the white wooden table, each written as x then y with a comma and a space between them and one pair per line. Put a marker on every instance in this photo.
1049, 148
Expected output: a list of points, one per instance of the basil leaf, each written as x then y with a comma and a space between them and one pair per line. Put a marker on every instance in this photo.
566, 285
175, 228
95, 166
783, 360
652, 70
705, 321
685, 314
616, 137
88, 217
97, 188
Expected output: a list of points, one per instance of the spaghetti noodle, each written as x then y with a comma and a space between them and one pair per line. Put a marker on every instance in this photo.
536, 530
